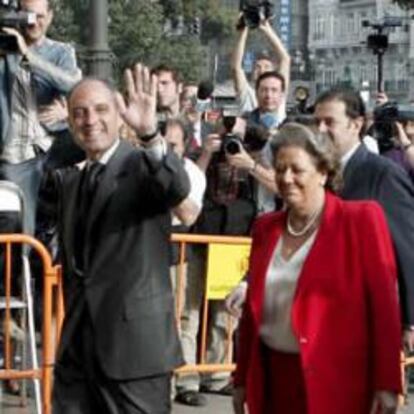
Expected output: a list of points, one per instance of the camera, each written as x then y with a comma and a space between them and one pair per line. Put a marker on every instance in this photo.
12, 16
231, 143
254, 11
255, 137
385, 116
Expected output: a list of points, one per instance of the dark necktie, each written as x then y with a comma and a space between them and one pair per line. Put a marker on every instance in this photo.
89, 184
88, 187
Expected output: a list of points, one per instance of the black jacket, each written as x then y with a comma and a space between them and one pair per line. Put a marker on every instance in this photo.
368, 176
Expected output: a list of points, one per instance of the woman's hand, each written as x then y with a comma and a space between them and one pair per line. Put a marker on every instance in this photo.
402, 136
212, 143
239, 398
241, 160
381, 98
385, 402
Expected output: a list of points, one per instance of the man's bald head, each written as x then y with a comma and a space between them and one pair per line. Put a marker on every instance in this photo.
101, 83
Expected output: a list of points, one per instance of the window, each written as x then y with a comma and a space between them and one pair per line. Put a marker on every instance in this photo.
320, 28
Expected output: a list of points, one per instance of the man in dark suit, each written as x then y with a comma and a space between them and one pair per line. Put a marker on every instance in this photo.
119, 343
367, 176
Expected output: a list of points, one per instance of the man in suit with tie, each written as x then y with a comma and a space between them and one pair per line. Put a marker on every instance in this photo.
368, 176
119, 343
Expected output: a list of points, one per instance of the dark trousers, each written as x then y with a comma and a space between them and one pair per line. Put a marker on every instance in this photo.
80, 386
285, 391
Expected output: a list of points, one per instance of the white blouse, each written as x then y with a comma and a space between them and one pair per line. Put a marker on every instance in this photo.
281, 280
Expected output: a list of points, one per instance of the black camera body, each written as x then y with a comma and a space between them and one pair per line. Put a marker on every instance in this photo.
392, 112
384, 118
255, 139
12, 16
254, 11
255, 136
231, 143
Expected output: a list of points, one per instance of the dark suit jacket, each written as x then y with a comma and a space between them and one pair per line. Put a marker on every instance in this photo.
126, 285
371, 177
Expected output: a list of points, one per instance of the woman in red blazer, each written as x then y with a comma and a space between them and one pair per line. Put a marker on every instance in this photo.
320, 331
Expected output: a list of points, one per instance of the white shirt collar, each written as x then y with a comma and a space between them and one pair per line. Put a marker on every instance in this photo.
348, 155
106, 156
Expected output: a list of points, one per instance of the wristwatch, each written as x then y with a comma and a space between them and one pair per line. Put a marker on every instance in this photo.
149, 137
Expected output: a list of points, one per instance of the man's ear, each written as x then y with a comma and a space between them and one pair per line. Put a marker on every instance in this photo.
358, 123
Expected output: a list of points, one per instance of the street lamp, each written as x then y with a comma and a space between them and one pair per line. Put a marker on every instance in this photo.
98, 59
378, 42
311, 71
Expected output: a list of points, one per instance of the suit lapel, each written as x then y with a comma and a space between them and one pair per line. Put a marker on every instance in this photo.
69, 208
350, 173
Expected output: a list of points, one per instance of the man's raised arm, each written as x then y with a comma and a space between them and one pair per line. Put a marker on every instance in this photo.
281, 54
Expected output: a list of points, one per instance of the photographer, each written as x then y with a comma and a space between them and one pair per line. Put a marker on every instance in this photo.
246, 93
229, 209
33, 77
403, 152
393, 128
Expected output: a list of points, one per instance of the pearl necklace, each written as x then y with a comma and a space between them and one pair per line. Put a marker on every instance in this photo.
305, 228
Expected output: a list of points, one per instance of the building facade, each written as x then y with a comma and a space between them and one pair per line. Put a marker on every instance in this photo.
338, 52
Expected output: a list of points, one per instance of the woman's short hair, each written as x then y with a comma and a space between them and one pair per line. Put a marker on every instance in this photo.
318, 145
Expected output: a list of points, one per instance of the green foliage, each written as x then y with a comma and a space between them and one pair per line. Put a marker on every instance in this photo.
185, 54
171, 8
218, 24
137, 31
405, 4
66, 25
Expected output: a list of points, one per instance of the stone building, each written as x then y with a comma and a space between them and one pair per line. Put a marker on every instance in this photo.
337, 45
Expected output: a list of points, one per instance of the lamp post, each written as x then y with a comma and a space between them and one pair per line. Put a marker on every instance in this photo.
378, 43
311, 70
98, 58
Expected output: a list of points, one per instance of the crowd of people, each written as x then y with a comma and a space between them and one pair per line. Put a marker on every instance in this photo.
328, 299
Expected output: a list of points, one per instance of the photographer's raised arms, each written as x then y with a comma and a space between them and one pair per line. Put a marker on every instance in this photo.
258, 16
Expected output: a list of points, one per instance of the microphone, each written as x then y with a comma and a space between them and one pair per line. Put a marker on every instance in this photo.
202, 102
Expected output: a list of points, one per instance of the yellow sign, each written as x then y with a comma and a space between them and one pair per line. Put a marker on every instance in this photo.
226, 265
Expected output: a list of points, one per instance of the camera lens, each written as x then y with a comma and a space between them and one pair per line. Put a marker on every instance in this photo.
232, 146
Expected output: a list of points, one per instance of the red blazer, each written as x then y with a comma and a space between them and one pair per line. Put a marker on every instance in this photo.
345, 312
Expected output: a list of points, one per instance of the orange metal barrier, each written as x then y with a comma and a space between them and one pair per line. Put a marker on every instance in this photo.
183, 240
50, 272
